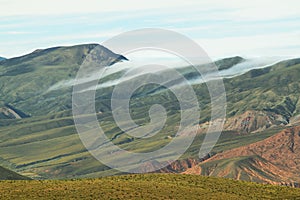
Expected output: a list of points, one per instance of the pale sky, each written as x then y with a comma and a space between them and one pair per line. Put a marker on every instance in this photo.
222, 28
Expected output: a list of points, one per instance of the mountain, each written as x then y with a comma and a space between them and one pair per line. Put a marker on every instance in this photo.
37, 133
1, 58
38, 71
145, 186
272, 89
257, 101
275, 160
227, 63
6, 174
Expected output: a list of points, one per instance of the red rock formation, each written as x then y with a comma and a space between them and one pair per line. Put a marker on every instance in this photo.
277, 158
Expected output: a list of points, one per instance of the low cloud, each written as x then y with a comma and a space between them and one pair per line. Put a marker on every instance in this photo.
241, 68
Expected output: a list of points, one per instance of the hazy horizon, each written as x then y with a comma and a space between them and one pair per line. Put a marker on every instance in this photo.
221, 28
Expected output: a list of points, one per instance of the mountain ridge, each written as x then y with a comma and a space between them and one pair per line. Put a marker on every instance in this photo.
226, 63
40, 70
46, 144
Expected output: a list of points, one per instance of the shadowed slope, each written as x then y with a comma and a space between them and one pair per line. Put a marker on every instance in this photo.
6, 174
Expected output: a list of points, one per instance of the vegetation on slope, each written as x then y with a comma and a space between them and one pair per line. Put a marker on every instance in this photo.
150, 186
226, 63
52, 149
47, 146
6, 174
275, 89
25, 80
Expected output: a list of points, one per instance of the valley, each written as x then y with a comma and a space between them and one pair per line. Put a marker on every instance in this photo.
38, 137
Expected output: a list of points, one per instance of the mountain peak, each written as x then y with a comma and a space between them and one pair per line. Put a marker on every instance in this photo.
61, 56
227, 63
64, 56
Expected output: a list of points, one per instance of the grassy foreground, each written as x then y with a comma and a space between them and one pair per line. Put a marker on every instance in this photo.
149, 186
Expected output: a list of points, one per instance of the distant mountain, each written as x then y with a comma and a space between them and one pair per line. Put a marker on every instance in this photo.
6, 174
190, 72
226, 63
26, 79
45, 68
272, 89
1, 58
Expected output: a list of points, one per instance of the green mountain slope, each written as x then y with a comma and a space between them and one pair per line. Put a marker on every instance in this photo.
6, 174
46, 144
25, 80
52, 149
226, 63
150, 186
275, 89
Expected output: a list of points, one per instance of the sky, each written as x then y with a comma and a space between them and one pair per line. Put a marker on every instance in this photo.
222, 28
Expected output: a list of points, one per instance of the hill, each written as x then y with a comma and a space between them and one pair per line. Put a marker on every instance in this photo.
43, 141
272, 89
150, 186
274, 160
25, 80
6, 174
226, 63
1, 58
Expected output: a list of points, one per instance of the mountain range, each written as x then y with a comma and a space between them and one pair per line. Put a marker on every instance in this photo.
260, 140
